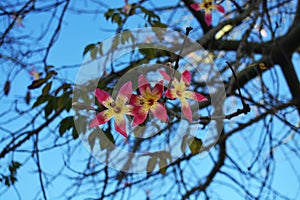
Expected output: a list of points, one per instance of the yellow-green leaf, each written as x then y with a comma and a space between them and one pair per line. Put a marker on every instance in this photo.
195, 144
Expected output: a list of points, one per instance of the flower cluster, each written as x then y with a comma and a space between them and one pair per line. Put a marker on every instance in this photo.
207, 6
148, 100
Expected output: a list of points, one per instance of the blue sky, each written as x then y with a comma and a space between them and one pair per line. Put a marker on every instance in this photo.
78, 31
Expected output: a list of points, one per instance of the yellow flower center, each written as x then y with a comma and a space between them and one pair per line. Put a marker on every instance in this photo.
178, 92
207, 5
117, 109
150, 102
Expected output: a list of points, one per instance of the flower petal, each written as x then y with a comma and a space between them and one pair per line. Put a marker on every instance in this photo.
103, 97
186, 77
186, 109
220, 8
197, 6
101, 118
171, 94
135, 100
165, 75
194, 95
127, 109
140, 115
143, 84
159, 111
208, 18
158, 89
126, 89
120, 125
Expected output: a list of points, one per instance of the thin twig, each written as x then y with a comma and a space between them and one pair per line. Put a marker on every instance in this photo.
244, 110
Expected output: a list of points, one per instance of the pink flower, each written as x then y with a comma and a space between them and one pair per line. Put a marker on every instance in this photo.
148, 101
207, 6
180, 92
35, 75
116, 109
127, 7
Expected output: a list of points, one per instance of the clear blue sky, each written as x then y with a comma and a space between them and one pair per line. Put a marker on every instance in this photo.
78, 31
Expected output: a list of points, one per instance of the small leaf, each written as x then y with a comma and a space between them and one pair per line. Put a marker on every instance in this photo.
195, 144
100, 50
88, 48
163, 166
47, 88
151, 164
6, 88
106, 140
93, 53
13, 167
38, 83
63, 100
81, 124
183, 143
6, 181
75, 133
109, 13
13, 179
49, 108
40, 100
68, 104
92, 137
28, 97
66, 124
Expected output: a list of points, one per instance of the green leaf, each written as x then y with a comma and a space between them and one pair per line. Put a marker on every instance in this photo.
68, 104
116, 41
100, 50
92, 137
40, 100
93, 53
13, 179
63, 100
195, 144
151, 164
163, 166
13, 167
183, 143
37, 83
66, 124
6, 181
106, 140
150, 53
6, 88
28, 97
126, 36
75, 133
47, 88
88, 48
81, 124
117, 19
109, 13
49, 108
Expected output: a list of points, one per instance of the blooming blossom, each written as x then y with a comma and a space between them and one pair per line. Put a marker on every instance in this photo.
35, 75
207, 6
180, 92
148, 101
115, 108
127, 7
